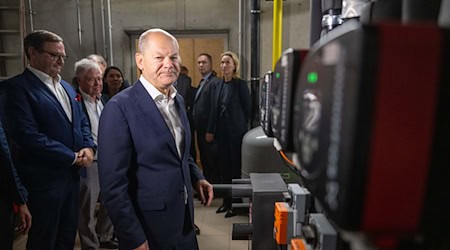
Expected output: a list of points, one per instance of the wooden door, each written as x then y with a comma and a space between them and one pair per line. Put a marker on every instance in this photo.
190, 48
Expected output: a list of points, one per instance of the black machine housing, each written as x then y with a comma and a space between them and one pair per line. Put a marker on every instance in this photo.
371, 127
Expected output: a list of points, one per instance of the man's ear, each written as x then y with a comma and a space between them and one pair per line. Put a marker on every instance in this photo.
32, 51
139, 61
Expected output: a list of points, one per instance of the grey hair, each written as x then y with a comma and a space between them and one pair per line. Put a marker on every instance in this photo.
84, 65
98, 59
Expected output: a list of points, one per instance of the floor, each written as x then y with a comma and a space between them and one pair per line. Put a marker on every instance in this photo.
215, 230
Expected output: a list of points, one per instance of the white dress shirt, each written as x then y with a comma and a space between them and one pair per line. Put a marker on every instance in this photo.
54, 84
167, 108
94, 109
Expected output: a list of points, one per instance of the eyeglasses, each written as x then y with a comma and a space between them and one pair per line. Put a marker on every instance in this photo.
55, 57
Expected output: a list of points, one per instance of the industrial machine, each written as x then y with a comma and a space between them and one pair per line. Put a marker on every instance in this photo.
364, 117
371, 108
369, 135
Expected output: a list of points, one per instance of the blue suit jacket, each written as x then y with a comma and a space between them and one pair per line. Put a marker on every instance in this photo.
10, 184
204, 105
142, 177
44, 138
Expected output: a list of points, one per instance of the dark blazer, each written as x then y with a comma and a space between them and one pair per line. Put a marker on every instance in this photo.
204, 103
10, 184
45, 138
234, 116
142, 177
186, 90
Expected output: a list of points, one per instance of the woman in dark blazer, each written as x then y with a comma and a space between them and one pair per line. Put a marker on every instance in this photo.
232, 112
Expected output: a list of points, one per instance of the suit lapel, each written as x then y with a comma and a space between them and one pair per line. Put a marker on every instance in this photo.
150, 112
70, 91
40, 86
205, 86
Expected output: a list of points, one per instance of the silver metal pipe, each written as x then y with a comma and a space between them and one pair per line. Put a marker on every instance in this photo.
111, 59
30, 8
22, 30
94, 33
79, 22
105, 52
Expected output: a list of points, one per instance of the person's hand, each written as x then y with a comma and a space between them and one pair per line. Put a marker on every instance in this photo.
209, 137
85, 157
144, 246
25, 218
201, 187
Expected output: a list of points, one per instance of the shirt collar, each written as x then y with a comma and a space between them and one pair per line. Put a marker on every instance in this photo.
43, 76
154, 92
88, 97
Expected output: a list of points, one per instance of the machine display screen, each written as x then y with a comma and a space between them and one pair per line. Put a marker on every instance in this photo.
308, 133
283, 90
265, 103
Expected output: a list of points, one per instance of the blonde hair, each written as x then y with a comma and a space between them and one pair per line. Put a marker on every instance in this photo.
237, 70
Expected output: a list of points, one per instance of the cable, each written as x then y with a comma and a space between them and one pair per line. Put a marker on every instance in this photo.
289, 163
286, 158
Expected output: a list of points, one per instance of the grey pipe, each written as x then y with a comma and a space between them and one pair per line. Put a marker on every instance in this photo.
222, 190
232, 190
241, 191
79, 23
30, 8
94, 33
111, 58
103, 29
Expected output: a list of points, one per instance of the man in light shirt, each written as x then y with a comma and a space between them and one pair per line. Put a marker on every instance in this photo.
90, 84
51, 135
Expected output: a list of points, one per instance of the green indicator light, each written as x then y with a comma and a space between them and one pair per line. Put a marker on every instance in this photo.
312, 77
277, 75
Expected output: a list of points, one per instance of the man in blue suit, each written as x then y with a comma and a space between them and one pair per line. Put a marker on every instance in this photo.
44, 120
146, 172
11, 191
203, 120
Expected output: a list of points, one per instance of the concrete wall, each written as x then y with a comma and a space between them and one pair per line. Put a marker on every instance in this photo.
131, 17
295, 28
